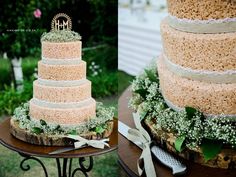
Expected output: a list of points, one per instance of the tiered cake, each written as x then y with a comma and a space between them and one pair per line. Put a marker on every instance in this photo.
62, 102
199, 69
62, 94
189, 103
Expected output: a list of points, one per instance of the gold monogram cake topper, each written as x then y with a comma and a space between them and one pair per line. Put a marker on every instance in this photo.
61, 21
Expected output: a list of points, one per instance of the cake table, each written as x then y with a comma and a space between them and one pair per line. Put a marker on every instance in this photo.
129, 153
31, 152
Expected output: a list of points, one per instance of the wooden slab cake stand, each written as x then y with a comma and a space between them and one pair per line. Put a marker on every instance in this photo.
31, 152
53, 140
130, 153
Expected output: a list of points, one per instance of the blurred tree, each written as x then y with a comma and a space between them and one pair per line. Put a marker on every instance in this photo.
21, 26
104, 23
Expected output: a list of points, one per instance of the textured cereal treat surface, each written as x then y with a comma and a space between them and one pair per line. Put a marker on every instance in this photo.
61, 50
62, 72
202, 9
65, 116
62, 94
209, 98
213, 52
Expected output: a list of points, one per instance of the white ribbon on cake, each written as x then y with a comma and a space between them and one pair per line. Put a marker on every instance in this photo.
223, 77
81, 142
61, 83
225, 25
67, 61
141, 135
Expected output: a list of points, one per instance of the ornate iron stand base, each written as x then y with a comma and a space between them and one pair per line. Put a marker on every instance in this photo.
64, 170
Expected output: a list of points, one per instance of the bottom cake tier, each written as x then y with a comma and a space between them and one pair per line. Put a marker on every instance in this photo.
186, 132
62, 113
48, 133
210, 98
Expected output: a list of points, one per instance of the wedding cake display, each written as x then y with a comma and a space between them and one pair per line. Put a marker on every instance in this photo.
189, 104
62, 103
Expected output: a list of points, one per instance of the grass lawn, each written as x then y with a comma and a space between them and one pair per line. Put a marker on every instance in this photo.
104, 165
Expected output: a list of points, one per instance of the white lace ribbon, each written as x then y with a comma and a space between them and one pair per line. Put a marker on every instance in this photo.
62, 83
141, 135
225, 25
100, 144
223, 77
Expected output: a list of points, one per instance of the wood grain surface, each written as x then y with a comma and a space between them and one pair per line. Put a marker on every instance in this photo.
17, 145
53, 140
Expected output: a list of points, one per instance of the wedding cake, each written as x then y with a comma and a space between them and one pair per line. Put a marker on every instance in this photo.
62, 94
188, 100
199, 69
62, 103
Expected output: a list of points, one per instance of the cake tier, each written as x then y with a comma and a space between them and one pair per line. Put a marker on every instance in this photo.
211, 52
59, 93
62, 113
211, 99
62, 72
228, 76
202, 9
61, 50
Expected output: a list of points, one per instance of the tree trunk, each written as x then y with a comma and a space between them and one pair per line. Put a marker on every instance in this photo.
17, 73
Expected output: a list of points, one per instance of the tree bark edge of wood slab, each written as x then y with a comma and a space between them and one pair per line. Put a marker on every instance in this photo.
226, 159
53, 140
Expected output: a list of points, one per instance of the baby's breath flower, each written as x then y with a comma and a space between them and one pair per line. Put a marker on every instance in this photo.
103, 114
194, 129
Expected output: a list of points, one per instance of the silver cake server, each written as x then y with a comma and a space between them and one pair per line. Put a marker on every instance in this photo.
164, 157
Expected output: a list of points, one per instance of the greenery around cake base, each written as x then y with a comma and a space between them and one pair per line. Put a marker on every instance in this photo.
190, 126
96, 124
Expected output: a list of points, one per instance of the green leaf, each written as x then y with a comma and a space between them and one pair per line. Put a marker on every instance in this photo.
190, 112
99, 129
37, 130
73, 132
179, 143
143, 115
58, 128
28, 117
151, 75
141, 92
210, 148
42, 122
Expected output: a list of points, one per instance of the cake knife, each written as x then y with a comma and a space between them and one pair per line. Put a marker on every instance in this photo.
66, 149
178, 168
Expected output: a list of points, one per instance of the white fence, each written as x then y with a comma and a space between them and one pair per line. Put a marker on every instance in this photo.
139, 39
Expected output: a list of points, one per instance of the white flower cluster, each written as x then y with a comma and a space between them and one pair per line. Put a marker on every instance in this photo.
60, 36
95, 69
148, 101
180, 124
103, 115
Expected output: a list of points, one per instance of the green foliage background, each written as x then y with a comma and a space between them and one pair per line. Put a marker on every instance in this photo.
95, 20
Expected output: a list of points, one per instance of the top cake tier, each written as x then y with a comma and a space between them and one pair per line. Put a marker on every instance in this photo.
202, 16
202, 9
61, 45
65, 50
